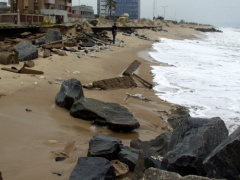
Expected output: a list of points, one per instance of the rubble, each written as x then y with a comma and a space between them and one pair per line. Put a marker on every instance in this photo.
26, 51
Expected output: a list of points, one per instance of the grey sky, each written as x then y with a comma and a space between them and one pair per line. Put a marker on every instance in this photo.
215, 12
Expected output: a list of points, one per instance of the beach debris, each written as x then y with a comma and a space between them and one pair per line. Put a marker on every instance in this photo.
115, 83
53, 35
23, 70
28, 110
130, 71
93, 168
140, 96
57, 173
46, 53
8, 58
51, 46
26, 51
35, 83
60, 159
1, 95
76, 72
144, 82
70, 43
120, 168
29, 64
68, 149
59, 52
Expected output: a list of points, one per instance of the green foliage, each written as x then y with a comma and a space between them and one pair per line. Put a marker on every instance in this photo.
111, 6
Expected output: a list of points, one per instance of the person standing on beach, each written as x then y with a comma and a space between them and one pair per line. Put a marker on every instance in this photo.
114, 32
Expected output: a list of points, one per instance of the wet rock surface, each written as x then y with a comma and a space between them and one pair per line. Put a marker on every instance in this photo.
105, 146
144, 162
118, 118
224, 162
128, 156
70, 91
93, 168
191, 143
154, 147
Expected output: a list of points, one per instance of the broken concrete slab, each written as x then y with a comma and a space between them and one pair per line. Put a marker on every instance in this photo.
53, 35
55, 46
8, 58
59, 52
115, 83
118, 118
131, 68
26, 51
46, 53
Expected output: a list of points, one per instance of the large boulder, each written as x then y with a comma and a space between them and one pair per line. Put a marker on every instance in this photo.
158, 174
191, 143
53, 35
26, 51
117, 117
70, 91
105, 146
224, 162
143, 163
128, 156
154, 147
89, 168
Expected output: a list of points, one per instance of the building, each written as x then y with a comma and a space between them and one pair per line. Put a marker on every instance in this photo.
35, 6
131, 7
85, 12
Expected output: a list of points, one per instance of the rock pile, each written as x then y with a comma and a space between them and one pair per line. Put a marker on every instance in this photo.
197, 149
116, 117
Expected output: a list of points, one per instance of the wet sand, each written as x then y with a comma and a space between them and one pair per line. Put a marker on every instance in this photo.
30, 140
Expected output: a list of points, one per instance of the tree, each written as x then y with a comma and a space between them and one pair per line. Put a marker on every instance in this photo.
111, 5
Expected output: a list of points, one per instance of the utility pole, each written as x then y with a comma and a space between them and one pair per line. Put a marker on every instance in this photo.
164, 7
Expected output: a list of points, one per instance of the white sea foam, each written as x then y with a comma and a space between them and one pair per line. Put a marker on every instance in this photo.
204, 75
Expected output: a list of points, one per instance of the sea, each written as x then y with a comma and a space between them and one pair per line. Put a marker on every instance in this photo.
202, 74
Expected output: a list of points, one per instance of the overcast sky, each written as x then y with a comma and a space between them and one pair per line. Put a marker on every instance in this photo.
214, 12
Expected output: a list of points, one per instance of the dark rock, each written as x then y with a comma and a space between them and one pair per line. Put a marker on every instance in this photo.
223, 162
154, 147
208, 30
144, 162
93, 22
53, 35
128, 156
117, 117
105, 146
87, 43
26, 51
178, 116
191, 143
60, 158
70, 91
158, 174
89, 168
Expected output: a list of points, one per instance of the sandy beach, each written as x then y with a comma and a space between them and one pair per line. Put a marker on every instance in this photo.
31, 139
